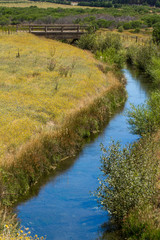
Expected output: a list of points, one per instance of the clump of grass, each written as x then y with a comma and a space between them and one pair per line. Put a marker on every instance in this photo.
11, 233
10, 229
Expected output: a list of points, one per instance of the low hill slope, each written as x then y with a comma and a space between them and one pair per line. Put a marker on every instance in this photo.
41, 81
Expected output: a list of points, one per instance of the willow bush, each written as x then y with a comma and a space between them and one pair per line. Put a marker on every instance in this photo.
144, 118
128, 178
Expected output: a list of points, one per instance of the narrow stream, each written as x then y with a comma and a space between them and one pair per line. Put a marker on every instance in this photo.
63, 208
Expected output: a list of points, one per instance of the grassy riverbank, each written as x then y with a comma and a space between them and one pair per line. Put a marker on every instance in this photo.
129, 187
53, 96
140, 218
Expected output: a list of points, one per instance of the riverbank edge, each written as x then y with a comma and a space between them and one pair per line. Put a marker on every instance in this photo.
143, 220
42, 153
147, 217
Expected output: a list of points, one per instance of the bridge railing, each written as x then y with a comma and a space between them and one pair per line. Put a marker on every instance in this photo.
51, 28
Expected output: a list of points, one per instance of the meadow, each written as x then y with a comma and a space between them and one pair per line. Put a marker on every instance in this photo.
42, 81
26, 3
53, 96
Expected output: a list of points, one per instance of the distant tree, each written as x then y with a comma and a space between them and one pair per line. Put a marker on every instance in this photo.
156, 33
158, 4
120, 29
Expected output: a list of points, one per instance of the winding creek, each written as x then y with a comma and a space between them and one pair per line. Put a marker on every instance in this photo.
62, 207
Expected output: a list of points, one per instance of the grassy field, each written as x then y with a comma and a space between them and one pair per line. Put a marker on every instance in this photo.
26, 3
128, 37
42, 81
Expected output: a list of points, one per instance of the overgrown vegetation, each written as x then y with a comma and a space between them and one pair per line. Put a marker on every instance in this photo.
129, 17
145, 118
129, 178
106, 47
128, 186
147, 59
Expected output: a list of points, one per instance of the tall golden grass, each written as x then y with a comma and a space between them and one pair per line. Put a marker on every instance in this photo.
53, 96
34, 91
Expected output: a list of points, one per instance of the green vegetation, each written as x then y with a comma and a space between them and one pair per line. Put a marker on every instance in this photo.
146, 58
129, 178
107, 3
129, 17
156, 33
107, 48
144, 118
128, 185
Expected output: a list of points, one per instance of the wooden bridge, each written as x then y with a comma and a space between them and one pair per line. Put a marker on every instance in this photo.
55, 31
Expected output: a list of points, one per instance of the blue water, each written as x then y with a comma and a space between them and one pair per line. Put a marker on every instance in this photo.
64, 208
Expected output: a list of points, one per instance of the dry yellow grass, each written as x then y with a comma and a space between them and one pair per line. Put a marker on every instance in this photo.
39, 5
34, 91
129, 38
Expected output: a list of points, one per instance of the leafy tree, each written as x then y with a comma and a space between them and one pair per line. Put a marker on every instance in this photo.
156, 33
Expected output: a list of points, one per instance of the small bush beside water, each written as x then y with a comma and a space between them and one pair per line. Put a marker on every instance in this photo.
145, 118
128, 177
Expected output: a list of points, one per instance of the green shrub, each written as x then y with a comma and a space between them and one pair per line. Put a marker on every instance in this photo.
127, 25
131, 54
136, 24
102, 23
87, 42
144, 118
144, 56
111, 56
137, 30
100, 42
107, 48
120, 29
156, 33
141, 56
142, 224
154, 71
129, 177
